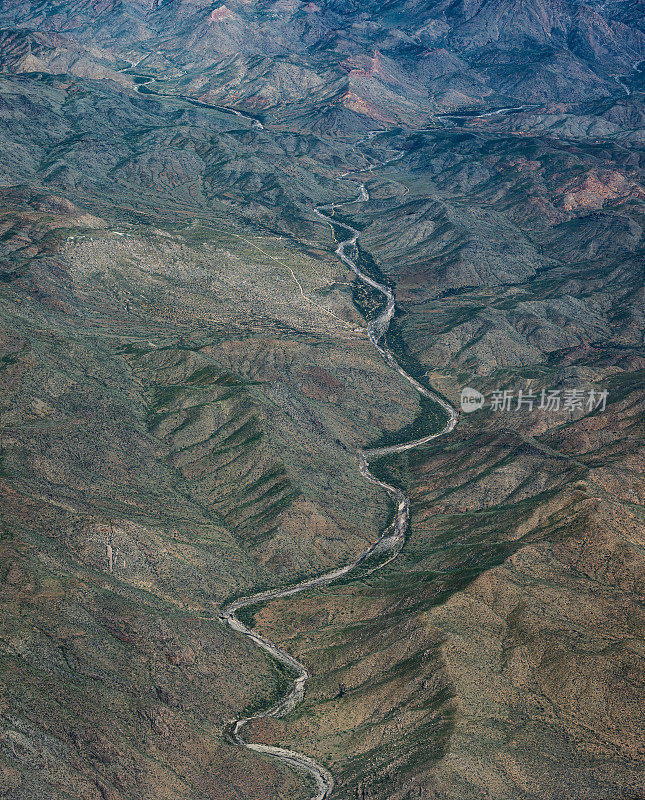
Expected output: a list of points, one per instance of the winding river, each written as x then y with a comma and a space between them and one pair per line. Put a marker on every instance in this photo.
383, 551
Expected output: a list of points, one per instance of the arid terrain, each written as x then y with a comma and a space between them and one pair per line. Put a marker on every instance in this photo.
187, 380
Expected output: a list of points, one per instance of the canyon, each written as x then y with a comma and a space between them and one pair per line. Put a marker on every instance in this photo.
251, 253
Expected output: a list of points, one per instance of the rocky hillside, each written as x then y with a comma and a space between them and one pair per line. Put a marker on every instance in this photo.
392, 64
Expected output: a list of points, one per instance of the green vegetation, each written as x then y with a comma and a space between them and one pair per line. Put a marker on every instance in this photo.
367, 300
271, 690
247, 614
431, 418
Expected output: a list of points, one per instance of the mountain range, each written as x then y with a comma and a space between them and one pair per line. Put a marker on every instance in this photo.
187, 379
